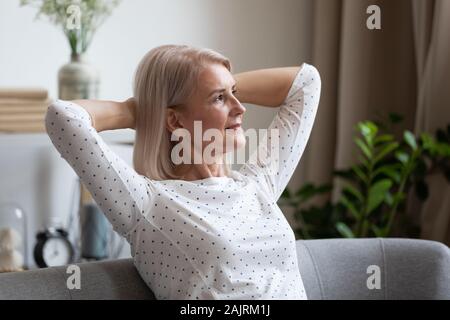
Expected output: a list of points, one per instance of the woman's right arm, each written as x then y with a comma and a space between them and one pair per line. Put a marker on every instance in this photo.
122, 194
110, 115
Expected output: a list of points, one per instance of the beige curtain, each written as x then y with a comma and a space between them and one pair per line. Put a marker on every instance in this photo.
432, 46
404, 67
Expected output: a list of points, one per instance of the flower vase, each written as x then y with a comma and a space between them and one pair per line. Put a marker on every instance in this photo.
78, 79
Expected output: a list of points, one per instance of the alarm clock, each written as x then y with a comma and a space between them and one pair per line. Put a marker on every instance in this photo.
53, 248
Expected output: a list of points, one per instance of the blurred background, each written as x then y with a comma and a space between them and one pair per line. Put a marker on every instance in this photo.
376, 164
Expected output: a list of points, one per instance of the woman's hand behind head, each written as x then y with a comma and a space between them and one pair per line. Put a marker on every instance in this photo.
130, 105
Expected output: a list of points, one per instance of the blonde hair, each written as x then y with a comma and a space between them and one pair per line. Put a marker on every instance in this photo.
166, 76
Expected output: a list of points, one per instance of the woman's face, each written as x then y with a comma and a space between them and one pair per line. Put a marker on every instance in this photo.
214, 104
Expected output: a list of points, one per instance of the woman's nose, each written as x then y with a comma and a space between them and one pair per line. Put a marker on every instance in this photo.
238, 106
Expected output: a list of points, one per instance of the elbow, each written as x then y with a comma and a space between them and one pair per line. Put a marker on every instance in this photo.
307, 84
315, 84
315, 77
49, 119
55, 113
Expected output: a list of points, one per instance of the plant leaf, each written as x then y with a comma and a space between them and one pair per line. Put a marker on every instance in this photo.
402, 156
392, 171
383, 138
399, 196
357, 170
368, 130
351, 189
364, 161
365, 149
349, 205
410, 139
395, 166
377, 231
389, 199
377, 193
427, 140
344, 230
386, 150
443, 149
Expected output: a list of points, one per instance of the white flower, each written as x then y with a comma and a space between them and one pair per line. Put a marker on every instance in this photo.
93, 14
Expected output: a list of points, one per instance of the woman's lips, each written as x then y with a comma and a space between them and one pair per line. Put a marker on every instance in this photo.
235, 127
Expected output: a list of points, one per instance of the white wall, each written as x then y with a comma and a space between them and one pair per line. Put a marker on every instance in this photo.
252, 33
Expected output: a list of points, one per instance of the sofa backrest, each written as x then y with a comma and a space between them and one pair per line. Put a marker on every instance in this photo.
330, 269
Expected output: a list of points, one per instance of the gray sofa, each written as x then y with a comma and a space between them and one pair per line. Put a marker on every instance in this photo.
331, 269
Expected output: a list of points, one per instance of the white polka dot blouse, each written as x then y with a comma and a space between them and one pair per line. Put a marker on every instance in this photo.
214, 238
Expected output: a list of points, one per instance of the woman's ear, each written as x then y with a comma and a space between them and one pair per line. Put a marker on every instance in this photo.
173, 119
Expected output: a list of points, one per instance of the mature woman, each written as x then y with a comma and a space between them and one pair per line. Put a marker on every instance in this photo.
196, 230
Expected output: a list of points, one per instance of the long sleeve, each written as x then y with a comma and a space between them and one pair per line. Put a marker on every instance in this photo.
278, 154
121, 193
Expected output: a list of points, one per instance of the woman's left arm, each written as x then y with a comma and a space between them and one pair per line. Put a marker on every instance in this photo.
265, 87
297, 92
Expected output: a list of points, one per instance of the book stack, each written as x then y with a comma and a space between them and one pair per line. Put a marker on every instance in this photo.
22, 110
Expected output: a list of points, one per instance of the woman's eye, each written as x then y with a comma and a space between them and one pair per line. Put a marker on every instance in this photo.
219, 97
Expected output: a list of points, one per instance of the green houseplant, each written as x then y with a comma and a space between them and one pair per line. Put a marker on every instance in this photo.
374, 190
